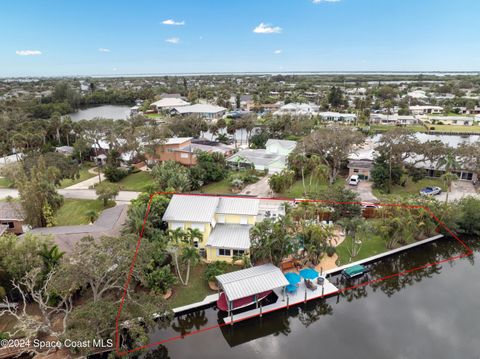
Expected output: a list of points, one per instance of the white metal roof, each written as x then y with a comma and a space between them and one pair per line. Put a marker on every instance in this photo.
200, 108
250, 281
188, 208
241, 206
177, 140
233, 236
170, 102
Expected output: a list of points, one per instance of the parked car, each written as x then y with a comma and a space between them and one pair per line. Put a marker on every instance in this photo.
354, 180
370, 205
430, 191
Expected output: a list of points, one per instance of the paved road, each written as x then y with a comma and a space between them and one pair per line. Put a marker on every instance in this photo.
459, 190
123, 196
364, 190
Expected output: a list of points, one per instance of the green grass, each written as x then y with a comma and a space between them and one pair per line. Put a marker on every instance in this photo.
139, 181
455, 128
5, 183
296, 191
84, 175
196, 290
374, 245
383, 128
152, 115
411, 188
73, 211
220, 187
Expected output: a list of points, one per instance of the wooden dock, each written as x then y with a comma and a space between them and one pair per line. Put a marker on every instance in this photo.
302, 295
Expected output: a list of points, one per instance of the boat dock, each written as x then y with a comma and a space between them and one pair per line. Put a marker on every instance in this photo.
302, 295
209, 299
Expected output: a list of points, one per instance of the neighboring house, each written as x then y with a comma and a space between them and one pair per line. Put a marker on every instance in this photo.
360, 162
450, 120
338, 117
297, 109
433, 170
168, 103
184, 149
12, 216
64, 150
417, 94
272, 159
246, 102
224, 222
393, 119
426, 110
207, 111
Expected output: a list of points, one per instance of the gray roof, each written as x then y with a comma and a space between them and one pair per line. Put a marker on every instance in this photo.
191, 208
241, 206
258, 157
286, 144
250, 281
11, 211
233, 236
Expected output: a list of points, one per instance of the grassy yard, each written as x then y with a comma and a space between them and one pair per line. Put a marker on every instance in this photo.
383, 128
220, 187
84, 175
296, 191
139, 181
411, 188
73, 211
374, 245
455, 128
196, 290
5, 183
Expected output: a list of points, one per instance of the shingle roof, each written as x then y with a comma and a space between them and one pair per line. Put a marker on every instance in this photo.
241, 206
187, 208
11, 211
250, 281
233, 236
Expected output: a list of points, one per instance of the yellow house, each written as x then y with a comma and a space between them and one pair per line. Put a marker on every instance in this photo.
225, 222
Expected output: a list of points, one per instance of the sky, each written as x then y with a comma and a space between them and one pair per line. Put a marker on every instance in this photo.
114, 37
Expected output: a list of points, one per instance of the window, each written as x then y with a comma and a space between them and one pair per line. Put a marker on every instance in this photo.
356, 170
199, 226
238, 252
183, 155
11, 225
176, 225
224, 252
195, 244
243, 220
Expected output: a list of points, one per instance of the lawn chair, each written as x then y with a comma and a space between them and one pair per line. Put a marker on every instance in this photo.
310, 285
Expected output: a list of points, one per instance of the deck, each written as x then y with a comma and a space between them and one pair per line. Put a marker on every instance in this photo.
283, 302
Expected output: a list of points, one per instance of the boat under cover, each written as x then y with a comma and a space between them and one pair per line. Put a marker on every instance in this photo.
222, 303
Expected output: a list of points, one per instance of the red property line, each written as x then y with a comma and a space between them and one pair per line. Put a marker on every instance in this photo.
468, 252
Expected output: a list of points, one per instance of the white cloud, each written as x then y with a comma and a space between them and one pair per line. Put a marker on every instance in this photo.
173, 40
319, 1
114, 69
267, 29
28, 52
278, 52
173, 22
102, 49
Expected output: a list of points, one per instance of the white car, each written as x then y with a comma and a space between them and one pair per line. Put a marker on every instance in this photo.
354, 180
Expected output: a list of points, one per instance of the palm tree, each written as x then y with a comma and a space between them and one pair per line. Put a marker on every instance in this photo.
91, 215
448, 179
176, 236
50, 256
449, 163
190, 255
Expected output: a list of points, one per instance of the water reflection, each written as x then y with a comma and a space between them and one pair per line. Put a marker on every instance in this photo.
364, 321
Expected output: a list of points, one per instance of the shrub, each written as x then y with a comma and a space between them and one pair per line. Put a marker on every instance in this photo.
3, 293
114, 174
160, 280
330, 250
213, 269
417, 174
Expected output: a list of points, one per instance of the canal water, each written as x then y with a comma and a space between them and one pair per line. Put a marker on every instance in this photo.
114, 112
430, 313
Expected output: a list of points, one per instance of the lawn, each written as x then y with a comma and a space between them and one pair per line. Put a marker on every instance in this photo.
455, 128
140, 181
84, 175
411, 188
73, 211
383, 128
374, 245
5, 183
220, 187
296, 191
196, 290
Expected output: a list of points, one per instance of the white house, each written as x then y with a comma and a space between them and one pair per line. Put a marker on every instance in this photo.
393, 119
451, 120
207, 111
425, 110
168, 103
338, 117
297, 109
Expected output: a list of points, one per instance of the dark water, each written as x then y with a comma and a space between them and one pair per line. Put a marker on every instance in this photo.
430, 313
114, 112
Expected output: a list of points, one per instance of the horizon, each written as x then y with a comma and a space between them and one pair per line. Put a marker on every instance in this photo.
83, 39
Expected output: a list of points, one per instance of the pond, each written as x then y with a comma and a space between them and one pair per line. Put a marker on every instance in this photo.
430, 313
114, 112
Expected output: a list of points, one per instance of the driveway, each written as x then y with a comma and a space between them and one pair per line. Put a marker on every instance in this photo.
89, 182
459, 190
364, 191
259, 189
109, 223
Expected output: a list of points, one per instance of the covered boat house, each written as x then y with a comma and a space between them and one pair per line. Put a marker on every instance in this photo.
249, 286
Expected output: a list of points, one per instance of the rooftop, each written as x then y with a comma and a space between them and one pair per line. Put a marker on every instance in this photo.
200, 108
233, 236
250, 281
242, 206
188, 208
11, 211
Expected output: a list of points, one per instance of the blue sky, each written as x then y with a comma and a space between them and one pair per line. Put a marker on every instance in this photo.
72, 37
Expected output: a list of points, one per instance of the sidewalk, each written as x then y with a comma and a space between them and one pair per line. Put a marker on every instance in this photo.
89, 183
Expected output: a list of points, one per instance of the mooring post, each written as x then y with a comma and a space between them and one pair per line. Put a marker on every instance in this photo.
305, 295
260, 310
288, 301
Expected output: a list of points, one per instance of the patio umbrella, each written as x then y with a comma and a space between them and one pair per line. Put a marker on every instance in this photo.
293, 278
309, 273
